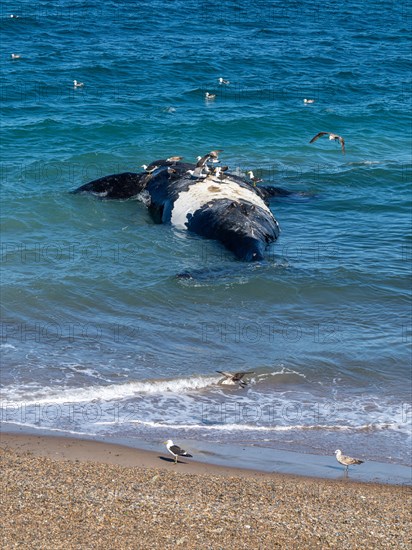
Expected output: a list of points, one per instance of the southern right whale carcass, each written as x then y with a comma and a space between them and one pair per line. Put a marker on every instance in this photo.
207, 201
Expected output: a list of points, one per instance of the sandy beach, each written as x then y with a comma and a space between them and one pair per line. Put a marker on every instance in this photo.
65, 493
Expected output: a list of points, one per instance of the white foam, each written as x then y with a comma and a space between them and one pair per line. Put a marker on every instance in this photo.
110, 392
209, 189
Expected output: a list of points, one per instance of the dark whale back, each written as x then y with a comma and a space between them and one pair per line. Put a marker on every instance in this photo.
232, 210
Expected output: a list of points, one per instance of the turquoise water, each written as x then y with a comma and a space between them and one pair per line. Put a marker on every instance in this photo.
99, 337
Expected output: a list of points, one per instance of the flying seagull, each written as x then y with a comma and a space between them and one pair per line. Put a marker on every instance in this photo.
231, 379
175, 450
346, 460
331, 137
215, 154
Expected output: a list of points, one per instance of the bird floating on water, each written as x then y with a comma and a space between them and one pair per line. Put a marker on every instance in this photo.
175, 450
308, 100
15, 56
77, 84
346, 460
210, 96
334, 137
223, 81
231, 379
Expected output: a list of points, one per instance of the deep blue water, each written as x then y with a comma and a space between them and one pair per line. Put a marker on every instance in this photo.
99, 337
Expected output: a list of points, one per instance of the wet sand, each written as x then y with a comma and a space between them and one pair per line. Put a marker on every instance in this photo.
69, 493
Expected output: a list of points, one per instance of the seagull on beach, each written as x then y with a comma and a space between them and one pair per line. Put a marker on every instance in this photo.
223, 81
346, 460
231, 379
332, 137
175, 450
77, 84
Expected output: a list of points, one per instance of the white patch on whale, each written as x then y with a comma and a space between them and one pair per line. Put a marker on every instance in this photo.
208, 189
144, 197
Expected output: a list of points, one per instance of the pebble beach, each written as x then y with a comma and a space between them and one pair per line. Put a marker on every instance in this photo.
55, 496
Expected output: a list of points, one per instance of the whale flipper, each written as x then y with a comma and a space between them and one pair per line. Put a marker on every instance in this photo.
269, 191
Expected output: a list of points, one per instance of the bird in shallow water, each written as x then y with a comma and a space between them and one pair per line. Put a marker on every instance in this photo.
175, 450
346, 460
332, 137
231, 379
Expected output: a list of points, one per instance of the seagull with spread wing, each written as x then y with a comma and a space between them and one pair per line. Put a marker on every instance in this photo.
332, 137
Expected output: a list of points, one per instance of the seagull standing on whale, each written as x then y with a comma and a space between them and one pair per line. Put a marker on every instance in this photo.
231, 379
253, 178
149, 169
332, 137
346, 460
175, 450
174, 159
213, 156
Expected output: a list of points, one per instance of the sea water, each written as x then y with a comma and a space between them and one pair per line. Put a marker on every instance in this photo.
99, 336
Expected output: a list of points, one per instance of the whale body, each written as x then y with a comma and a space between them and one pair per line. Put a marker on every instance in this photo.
228, 209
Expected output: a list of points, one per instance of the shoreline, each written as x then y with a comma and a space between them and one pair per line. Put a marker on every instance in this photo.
73, 493
223, 460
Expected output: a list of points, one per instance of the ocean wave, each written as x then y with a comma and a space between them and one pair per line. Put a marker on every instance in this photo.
106, 393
